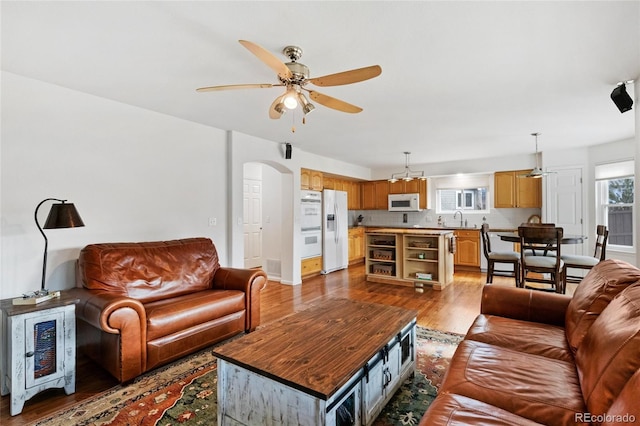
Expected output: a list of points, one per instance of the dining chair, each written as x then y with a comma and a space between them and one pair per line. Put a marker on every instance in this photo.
587, 262
539, 249
506, 257
541, 265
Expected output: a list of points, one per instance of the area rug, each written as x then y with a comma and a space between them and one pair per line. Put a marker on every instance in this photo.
184, 392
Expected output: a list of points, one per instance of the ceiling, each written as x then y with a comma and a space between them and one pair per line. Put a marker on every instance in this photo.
460, 80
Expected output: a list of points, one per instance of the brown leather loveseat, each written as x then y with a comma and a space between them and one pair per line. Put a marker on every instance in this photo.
535, 358
146, 304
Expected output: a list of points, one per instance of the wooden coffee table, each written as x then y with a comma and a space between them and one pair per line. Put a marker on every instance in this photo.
338, 363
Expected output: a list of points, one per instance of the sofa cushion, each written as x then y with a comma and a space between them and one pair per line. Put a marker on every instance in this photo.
609, 354
525, 336
457, 410
625, 408
168, 316
603, 282
151, 270
535, 387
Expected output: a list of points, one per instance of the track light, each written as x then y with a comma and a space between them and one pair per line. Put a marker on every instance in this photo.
621, 98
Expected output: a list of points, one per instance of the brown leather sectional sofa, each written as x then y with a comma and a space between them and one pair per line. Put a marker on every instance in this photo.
146, 304
535, 358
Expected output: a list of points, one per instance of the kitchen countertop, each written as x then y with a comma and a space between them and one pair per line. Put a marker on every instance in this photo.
446, 228
409, 230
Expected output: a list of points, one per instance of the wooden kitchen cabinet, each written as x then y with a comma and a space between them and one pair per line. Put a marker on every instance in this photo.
511, 190
415, 186
356, 245
409, 257
467, 248
351, 187
354, 195
328, 182
382, 194
375, 195
311, 179
311, 267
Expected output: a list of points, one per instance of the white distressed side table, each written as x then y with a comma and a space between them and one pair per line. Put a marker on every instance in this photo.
37, 349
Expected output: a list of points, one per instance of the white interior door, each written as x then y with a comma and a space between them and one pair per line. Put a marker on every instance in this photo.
564, 205
252, 218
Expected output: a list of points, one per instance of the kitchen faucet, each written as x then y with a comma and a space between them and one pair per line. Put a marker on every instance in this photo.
454, 217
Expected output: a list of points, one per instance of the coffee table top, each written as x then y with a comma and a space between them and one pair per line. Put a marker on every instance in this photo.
319, 349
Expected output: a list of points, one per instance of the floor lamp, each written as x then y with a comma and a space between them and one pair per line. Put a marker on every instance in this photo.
61, 215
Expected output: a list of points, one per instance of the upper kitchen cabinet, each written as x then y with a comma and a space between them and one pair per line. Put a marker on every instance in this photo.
511, 190
311, 179
354, 195
415, 186
375, 195
351, 187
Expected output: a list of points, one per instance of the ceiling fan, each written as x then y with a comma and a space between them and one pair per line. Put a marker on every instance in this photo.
294, 76
537, 172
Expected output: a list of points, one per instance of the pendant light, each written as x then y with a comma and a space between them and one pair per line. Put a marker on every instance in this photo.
408, 174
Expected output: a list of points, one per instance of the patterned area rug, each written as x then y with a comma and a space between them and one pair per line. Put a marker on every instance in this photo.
184, 392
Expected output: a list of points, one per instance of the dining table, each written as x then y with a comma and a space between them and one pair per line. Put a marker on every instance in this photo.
566, 239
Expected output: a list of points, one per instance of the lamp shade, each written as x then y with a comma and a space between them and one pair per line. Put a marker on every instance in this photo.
63, 215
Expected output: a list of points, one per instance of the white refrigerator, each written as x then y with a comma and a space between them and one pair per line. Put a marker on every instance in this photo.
335, 243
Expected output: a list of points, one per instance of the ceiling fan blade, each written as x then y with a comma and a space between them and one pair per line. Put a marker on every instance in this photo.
273, 112
235, 86
334, 103
268, 58
347, 77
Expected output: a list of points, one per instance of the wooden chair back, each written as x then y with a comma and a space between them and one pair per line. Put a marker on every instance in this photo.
486, 241
546, 242
602, 235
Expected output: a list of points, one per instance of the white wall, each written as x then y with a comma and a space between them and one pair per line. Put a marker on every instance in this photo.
133, 174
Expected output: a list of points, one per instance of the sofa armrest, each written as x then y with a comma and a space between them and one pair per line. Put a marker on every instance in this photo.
524, 304
251, 282
120, 315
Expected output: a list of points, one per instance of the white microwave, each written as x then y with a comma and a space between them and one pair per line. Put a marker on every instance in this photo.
404, 202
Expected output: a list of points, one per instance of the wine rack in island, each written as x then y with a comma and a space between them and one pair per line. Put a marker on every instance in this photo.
411, 258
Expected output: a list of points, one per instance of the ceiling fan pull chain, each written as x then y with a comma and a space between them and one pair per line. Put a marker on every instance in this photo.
293, 121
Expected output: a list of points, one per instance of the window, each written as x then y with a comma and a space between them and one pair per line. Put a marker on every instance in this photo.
468, 192
473, 199
615, 195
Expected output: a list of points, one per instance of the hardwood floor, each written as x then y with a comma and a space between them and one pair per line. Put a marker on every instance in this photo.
452, 309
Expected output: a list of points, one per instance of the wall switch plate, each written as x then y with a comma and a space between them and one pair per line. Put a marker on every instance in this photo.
213, 221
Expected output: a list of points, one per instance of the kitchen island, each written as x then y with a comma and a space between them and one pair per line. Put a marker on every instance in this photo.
409, 256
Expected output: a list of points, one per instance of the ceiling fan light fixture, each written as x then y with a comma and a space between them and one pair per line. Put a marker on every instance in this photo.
307, 106
537, 172
291, 97
280, 108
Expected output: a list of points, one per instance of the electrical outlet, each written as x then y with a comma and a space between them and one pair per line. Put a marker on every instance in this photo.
213, 221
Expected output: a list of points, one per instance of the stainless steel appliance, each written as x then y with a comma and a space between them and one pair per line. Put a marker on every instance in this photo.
311, 223
335, 243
